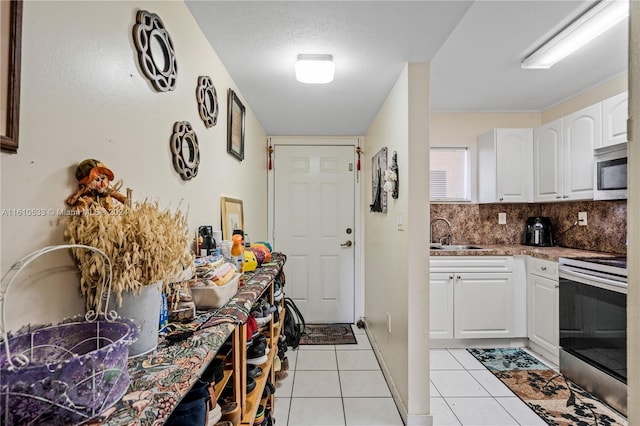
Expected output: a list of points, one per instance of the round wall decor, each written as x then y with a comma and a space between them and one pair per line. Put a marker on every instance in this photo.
185, 149
207, 101
155, 51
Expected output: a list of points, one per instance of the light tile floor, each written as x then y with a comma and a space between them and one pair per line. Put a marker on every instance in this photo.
335, 385
343, 385
464, 392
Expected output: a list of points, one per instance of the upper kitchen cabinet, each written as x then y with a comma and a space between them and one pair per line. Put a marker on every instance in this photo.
547, 162
615, 112
505, 169
582, 132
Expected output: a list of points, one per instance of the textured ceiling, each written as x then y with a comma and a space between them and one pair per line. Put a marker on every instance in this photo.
475, 49
478, 66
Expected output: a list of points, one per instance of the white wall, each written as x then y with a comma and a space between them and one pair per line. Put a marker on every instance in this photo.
418, 243
633, 218
393, 259
594, 95
84, 96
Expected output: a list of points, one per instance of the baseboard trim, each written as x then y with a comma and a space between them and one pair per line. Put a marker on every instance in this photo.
478, 343
419, 420
407, 419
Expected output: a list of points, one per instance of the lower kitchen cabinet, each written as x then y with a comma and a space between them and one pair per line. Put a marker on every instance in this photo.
542, 309
483, 305
484, 297
441, 305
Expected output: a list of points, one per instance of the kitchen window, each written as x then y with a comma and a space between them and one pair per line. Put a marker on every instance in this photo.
450, 174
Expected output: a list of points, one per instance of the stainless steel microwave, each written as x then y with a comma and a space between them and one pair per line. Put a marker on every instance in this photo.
610, 172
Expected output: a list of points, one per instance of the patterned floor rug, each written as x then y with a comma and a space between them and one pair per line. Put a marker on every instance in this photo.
557, 400
328, 334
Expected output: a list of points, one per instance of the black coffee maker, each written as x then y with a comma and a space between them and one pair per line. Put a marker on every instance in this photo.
208, 243
537, 232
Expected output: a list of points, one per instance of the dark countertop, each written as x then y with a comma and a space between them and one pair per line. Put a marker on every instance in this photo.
547, 253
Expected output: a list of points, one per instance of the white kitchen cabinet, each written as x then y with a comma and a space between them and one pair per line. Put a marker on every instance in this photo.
477, 297
615, 112
542, 307
505, 170
547, 162
441, 305
581, 133
483, 305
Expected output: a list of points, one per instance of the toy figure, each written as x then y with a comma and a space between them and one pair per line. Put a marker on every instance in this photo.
94, 188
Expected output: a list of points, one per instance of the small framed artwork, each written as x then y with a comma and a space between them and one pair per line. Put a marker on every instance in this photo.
378, 194
11, 37
235, 126
232, 216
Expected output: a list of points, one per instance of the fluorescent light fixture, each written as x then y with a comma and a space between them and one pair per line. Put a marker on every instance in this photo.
595, 21
315, 69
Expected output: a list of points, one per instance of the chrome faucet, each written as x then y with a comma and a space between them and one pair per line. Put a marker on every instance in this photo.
448, 237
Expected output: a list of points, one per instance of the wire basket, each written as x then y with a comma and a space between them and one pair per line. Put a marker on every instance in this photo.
66, 373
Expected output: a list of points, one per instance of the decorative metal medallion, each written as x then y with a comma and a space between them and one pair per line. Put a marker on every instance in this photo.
155, 51
185, 149
207, 101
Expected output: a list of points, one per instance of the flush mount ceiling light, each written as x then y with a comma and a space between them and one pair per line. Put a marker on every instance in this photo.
595, 21
315, 69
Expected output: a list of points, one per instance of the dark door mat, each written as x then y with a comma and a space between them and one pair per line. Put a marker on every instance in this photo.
556, 399
328, 334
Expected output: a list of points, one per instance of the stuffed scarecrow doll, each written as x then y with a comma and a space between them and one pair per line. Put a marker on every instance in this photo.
94, 187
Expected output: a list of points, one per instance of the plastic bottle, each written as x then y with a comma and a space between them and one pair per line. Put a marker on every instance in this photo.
164, 313
247, 243
237, 253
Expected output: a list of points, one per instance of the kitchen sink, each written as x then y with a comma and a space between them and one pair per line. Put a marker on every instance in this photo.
455, 247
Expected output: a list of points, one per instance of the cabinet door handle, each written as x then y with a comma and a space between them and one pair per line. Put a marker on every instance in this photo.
558, 197
557, 286
501, 199
543, 268
565, 196
459, 277
450, 277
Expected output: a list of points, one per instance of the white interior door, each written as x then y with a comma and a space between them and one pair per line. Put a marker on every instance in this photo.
314, 226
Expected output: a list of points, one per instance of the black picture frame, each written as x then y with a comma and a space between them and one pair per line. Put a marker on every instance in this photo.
235, 126
378, 194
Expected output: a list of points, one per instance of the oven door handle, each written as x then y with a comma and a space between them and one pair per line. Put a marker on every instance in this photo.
588, 279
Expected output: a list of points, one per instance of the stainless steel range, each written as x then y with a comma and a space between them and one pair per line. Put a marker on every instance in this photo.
593, 326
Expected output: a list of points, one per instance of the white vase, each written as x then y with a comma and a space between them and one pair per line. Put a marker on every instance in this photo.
144, 310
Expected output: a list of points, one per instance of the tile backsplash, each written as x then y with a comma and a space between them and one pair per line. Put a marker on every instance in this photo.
606, 228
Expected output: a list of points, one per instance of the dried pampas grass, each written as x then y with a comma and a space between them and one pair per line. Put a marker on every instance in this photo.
144, 243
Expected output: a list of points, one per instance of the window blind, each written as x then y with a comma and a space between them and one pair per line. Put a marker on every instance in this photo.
450, 174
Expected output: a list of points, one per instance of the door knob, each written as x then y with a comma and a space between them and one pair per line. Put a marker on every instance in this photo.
347, 244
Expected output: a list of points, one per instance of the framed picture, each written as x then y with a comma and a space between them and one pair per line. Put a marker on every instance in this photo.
232, 216
235, 126
378, 194
11, 22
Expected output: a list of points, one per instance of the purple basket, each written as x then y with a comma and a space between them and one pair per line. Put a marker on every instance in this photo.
66, 373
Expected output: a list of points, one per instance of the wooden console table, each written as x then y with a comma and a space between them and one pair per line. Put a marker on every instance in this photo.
162, 378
